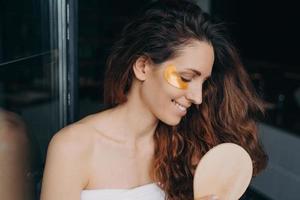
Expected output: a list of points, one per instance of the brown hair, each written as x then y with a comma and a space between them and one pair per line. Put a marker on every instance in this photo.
230, 106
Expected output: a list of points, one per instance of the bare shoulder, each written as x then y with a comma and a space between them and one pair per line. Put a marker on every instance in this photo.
97, 120
75, 142
79, 138
68, 163
75, 139
13, 136
14, 153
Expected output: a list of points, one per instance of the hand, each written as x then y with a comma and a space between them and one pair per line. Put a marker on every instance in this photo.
209, 197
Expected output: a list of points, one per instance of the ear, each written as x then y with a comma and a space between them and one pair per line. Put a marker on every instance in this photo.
141, 68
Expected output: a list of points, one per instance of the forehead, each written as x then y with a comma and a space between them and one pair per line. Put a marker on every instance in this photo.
197, 55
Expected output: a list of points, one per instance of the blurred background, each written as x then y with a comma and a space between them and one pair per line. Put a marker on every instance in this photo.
52, 63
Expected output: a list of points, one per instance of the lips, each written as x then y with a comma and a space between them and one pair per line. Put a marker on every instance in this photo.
181, 108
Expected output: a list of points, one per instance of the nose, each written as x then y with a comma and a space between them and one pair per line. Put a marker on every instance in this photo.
194, 94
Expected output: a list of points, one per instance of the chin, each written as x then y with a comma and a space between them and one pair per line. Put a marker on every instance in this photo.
171, 122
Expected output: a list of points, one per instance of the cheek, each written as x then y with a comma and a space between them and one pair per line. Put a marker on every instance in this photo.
158, 89
158, 92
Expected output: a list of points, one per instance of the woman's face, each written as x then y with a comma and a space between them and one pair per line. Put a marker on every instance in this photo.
164, 97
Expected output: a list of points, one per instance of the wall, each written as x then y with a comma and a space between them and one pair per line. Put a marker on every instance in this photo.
281, 179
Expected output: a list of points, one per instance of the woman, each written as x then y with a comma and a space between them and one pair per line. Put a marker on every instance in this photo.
175, 88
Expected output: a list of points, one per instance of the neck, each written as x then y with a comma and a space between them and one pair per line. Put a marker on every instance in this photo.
135, 122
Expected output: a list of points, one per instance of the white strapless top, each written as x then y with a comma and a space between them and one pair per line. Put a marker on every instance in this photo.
145, 192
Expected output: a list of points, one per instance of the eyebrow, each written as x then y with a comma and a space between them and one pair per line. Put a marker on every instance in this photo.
197, 72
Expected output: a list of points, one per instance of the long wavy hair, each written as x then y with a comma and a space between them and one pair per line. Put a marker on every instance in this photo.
230, 107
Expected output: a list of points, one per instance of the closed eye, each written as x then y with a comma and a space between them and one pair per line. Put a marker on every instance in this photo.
186, 79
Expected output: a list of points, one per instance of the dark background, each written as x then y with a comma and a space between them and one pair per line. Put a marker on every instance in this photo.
265, 33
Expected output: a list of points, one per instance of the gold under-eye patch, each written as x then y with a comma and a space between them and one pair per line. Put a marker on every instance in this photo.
172, 77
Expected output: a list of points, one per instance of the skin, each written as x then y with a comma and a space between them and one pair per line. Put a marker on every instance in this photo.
211, 197
171, 75
114, 148
14, 159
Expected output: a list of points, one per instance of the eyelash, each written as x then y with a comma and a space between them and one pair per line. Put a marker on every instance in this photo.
189, 80
185, 79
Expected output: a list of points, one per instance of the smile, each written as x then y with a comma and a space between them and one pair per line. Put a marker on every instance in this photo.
180, 107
